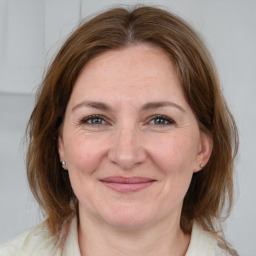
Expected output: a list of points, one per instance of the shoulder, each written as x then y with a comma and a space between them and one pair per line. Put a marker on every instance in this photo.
36, 239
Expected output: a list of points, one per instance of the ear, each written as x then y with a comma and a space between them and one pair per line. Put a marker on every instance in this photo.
61, 150
204, 151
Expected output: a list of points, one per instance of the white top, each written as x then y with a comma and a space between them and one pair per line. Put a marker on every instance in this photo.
38, 242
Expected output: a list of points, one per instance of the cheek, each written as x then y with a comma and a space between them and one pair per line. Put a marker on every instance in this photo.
175, 154
83, 154
175, 158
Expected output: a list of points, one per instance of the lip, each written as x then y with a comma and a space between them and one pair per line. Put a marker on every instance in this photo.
127, 184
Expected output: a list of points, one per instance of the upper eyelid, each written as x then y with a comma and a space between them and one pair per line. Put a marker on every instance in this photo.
160, 116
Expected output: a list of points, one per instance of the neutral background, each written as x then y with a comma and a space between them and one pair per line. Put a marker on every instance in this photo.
30, 33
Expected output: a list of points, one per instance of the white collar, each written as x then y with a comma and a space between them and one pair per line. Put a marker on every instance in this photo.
201, 243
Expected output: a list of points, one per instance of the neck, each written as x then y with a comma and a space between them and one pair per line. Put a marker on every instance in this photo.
96, 239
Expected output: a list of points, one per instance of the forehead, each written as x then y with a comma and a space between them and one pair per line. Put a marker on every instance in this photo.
137, 71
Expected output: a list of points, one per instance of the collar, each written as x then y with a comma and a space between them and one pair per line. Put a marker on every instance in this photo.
201, 243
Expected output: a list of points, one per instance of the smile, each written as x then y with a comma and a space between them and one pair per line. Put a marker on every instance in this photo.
127, 184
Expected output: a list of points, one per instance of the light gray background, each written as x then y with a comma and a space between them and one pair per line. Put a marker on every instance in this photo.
30, 33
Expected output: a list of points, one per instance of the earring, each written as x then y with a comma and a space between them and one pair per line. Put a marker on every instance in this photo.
201, 166
63, 163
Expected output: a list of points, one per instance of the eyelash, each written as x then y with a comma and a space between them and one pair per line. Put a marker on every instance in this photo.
90, 118
165, 120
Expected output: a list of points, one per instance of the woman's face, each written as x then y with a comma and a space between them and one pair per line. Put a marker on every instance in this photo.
130, 140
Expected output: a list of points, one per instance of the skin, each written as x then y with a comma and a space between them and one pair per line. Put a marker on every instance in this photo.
128, 140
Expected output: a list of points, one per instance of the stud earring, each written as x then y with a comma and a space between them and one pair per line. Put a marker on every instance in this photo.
201, 165
63, 163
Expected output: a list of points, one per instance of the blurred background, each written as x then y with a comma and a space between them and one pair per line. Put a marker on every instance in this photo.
31, 31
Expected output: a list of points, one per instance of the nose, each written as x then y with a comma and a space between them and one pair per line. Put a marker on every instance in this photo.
127, 148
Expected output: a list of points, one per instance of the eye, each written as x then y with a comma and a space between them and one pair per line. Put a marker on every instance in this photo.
94, 120
161, 120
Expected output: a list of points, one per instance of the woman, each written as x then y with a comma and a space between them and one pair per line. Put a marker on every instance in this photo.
131, 143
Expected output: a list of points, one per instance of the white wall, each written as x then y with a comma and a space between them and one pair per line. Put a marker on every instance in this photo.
32, 30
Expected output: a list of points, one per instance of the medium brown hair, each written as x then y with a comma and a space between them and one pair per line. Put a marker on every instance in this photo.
211, 189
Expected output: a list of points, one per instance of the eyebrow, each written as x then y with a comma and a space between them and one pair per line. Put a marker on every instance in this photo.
161, 104
93, 104
145, 107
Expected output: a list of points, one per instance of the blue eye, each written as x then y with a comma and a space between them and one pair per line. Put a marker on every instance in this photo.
161, 120
94, 120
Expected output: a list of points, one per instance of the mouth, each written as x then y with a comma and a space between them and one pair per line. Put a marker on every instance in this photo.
127, 184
